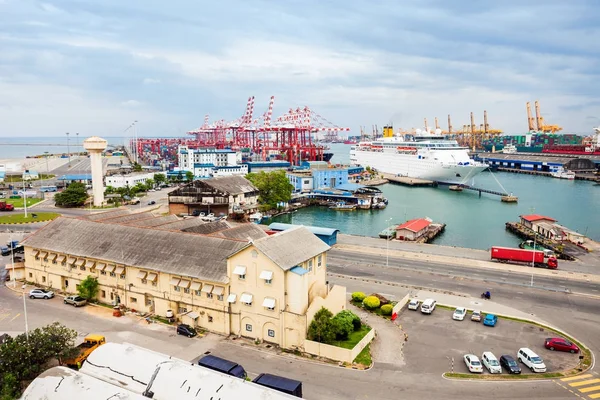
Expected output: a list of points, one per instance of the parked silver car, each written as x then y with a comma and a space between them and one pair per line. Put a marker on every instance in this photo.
40, 294
76, 301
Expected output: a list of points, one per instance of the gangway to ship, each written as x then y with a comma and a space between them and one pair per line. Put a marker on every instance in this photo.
505, 196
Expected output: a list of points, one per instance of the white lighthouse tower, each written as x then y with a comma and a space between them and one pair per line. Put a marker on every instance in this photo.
95, 146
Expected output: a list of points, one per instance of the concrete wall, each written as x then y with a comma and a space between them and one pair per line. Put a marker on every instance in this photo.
335, 302
338, 353
401, 304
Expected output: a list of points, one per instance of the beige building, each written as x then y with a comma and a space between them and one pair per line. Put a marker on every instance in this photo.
235, 281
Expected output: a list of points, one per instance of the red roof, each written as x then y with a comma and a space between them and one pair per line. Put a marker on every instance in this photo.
536, 217
415, 225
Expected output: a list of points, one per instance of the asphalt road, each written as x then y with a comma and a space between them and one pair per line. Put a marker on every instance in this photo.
341, 261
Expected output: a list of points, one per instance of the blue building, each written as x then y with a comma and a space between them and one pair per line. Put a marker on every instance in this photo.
70, 178
318, 175
328, 235
267, 166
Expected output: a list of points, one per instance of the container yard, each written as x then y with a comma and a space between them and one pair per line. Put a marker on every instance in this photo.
289, 137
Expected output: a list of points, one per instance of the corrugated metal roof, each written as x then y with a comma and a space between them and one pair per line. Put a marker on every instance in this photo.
317, 230
247, 231
291, 247
195, 256
108, 214
154, 221
234, 184
129, 218
206, 228
536, 217
415, 225
183, 224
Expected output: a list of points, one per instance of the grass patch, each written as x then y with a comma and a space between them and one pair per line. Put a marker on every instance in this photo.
376, 311
102, 304
504, 377
364, 357
19, 178
20, 203
19, 218
353, 338
161, 319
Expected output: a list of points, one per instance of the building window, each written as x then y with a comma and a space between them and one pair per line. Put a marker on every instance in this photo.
113, 274
186, 290
37, 257
148, 302
82, 268
248, 327
122, 276
210, 319
133, 299
43, 279
220, 297
242, 277
103, 294
271, 332
182, 310
153, 283
63, 263
268, 281
102, 272
53, 261
209, 295
30, 275
177, 288
320, 261
310, 265
198, 292
144, 281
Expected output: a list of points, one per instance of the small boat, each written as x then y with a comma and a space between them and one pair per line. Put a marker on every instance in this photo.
388, 233
562, 173
509, 149
256, 217
341, 206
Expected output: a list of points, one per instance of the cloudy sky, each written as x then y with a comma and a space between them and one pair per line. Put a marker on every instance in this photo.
95, 66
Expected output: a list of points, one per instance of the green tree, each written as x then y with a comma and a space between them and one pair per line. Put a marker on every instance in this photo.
355, 319
371, 302
189, 176
160, 179
322, 328
88, 288
137, 167
150, 183
342, 324
109, 190
274, 187
358, 296
139, 187
74, 195
10, 387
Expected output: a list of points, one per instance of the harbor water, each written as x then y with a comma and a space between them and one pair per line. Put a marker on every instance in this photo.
471, 221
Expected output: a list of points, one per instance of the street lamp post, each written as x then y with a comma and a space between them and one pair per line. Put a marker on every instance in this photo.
12, 257
387, 243
77, 142
68, 150
533, 258
25, 311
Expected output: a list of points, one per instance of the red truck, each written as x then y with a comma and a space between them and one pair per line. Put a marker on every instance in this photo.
5, 206
539, 258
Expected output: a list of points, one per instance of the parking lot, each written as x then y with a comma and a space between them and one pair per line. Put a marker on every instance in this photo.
433, 340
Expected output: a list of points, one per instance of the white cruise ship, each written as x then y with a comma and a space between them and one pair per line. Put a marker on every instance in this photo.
423, 156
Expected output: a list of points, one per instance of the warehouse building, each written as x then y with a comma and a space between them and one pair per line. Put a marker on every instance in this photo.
235, 281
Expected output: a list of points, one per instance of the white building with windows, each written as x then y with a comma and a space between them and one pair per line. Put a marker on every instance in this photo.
206, 163
121, 181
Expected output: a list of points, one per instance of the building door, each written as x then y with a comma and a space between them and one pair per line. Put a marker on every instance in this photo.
149, 301
331, 182
65, 284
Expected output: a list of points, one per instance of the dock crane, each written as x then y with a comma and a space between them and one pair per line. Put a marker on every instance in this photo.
537, 124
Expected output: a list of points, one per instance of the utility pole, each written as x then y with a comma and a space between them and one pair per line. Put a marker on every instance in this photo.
387, 243
25, 311
533, 257
68, 150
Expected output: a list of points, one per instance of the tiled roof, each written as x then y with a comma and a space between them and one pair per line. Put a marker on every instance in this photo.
415, 225
536, 217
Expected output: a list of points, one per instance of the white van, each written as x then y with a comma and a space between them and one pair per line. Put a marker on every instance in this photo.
531, 360
428, 306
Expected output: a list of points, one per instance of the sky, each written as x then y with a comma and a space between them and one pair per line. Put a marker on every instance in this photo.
94, 67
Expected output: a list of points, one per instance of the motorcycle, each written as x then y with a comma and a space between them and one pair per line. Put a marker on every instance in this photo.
486, 295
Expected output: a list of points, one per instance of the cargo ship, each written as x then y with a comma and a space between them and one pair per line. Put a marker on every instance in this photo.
589, 146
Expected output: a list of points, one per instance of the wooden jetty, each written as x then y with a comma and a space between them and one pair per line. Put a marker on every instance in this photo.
526, 233
505, 197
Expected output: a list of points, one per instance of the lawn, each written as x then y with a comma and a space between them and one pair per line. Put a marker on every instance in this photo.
18, 203
364, 357
16, 217
19, 178
353, 338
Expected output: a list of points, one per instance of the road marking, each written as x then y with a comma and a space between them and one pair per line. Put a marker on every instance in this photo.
594, 396
583, 383
576, 378
2, 316
566, 388
15, 317
589, 389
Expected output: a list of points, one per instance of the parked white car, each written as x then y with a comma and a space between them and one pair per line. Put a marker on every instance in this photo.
473, 363
414, 304
40, 294
459, 314
476, 316
490, 361
532, 360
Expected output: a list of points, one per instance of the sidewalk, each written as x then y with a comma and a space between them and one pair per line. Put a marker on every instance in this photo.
471, 263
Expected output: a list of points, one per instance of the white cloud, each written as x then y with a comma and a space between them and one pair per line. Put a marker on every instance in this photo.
131, 103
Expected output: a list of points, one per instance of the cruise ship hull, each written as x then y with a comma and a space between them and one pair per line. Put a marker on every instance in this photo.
412, 166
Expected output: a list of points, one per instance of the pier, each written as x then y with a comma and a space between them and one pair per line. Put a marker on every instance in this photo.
407, 181
561, 250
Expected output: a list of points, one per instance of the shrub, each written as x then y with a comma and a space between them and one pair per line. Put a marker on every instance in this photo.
382, 299
322, 328
386, 309
342, 325
358, 296
371, 302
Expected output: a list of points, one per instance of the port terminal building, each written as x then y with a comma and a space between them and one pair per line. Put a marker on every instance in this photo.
314, 175
540, 162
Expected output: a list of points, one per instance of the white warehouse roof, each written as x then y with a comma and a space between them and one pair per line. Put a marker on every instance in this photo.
61, 383
132, 367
